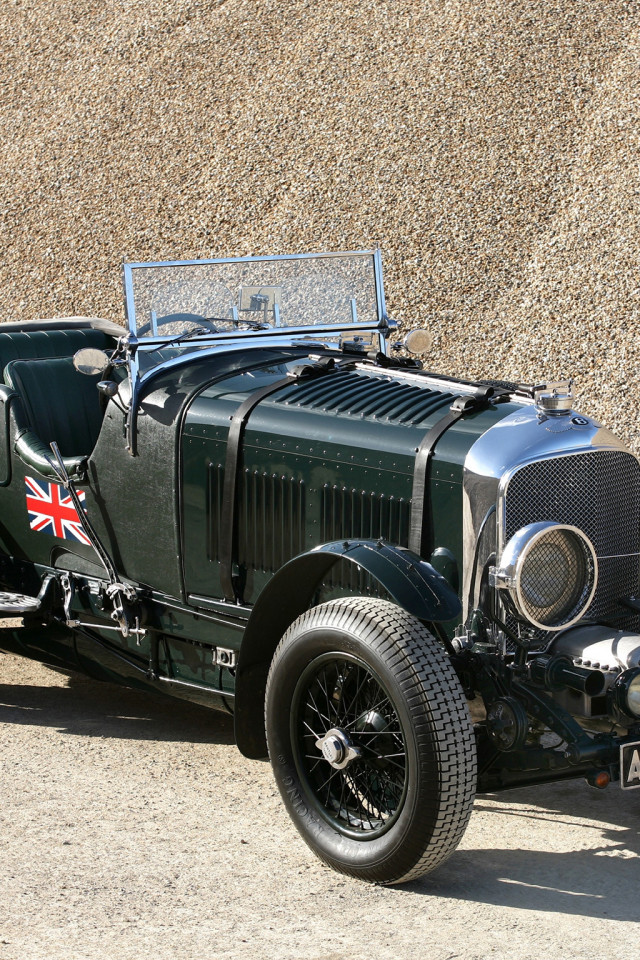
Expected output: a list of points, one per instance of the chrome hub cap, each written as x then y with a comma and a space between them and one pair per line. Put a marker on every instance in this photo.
337, 749
349, 745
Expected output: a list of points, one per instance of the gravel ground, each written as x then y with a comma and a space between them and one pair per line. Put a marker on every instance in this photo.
491, 149
131, 826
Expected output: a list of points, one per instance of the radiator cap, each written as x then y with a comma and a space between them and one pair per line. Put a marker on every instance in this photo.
554, 398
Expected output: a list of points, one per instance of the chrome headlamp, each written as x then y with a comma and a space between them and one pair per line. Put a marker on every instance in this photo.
626, 693
549, 571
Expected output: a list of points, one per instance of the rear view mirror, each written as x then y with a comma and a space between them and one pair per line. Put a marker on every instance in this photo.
91, 361
418, 341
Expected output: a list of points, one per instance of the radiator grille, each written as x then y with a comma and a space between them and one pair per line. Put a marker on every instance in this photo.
598, 492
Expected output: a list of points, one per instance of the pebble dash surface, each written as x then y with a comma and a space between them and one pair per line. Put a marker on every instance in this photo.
491, 149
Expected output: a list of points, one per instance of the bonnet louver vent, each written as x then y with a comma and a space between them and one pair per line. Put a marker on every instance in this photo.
271, 513
353, 394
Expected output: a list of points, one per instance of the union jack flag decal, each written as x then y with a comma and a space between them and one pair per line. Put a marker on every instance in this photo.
51, 510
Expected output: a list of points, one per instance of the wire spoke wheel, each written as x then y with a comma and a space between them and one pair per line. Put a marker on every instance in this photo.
370, 739
350, 746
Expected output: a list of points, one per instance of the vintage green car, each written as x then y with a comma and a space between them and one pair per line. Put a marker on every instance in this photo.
405, 587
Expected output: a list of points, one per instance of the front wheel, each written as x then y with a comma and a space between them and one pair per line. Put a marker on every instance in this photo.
370, 740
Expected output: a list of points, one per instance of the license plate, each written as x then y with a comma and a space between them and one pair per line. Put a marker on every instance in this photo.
630, 765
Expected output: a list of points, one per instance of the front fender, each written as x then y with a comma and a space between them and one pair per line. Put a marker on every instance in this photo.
411, 582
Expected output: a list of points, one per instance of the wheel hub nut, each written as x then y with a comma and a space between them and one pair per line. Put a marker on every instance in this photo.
337, 749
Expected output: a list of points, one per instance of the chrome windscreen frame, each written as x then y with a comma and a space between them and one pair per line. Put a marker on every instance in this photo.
375, 255
133, 345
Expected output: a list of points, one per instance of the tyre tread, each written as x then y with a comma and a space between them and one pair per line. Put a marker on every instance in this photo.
427, 678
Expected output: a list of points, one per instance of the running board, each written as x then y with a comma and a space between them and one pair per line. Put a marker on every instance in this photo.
17, 604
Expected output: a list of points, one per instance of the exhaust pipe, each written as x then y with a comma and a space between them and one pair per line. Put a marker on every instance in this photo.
557, 672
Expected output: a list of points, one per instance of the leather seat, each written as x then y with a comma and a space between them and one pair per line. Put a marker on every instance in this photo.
49, 342
57, 403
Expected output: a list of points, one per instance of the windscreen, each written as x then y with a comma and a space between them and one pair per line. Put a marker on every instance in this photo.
218, 296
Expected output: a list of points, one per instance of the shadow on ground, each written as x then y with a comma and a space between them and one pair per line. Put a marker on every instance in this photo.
88, 707
594, 872
601, 880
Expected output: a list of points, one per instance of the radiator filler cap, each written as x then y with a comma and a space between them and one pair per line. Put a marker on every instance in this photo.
554, 398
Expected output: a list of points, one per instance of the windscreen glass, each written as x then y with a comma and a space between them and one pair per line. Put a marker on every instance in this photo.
210, 297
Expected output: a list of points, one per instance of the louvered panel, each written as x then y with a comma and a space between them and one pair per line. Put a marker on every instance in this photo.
352, 393
349, 514
369, 397
422, 408
270, 518
354, 514
390, 400
274, 529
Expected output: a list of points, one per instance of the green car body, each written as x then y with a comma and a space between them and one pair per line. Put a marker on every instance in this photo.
459, 556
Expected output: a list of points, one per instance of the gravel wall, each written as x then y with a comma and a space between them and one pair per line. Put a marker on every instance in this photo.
491, 149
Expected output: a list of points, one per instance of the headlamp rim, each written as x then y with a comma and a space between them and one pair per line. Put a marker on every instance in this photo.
513, 559
620, 691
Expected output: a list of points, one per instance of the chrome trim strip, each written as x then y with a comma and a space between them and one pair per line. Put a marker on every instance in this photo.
268, 259
148, 344
129, 306
198, 686
134, 379
383, 337
441, 384
377, 268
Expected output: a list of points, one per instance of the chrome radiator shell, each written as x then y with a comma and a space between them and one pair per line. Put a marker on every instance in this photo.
567, 469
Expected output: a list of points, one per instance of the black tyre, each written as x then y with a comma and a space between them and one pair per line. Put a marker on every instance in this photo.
370, 740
